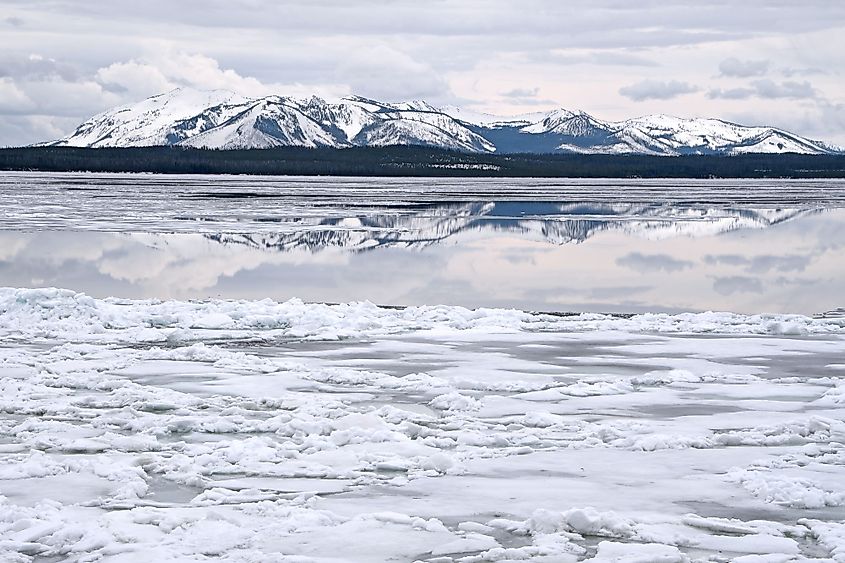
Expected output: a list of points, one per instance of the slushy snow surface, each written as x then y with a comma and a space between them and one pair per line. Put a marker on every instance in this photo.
263, 431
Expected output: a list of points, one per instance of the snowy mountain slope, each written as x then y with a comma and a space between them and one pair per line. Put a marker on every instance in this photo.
165, 119
269, 122
225, 120
667, 134
422, 128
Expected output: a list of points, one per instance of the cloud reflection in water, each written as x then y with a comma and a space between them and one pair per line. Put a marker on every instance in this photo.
539, 256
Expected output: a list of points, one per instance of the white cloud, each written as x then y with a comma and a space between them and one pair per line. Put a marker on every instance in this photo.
381, 71
12, 99
164, 70
139, 79
41, 96
62, 98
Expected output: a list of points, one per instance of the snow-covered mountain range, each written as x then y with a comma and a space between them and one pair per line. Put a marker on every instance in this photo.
225, 120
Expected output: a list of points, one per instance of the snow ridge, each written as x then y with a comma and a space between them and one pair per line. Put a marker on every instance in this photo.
221, 119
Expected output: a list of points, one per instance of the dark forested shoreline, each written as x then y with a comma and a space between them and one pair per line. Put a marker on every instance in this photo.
415, 161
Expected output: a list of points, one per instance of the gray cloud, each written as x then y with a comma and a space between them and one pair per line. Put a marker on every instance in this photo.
13, 128
527, 97
796, 281
789, 263
832, 117
743, 69
703, 22
656, 90
731, 93
730, 259
449, 52
521, 93
790, 72
604, 58
766, 88
519, 258
737, 284
817, 118
762, 263
789, 89
621, 59
34, 67
652, 262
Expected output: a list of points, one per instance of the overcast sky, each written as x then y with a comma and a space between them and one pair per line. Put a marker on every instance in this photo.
760, 62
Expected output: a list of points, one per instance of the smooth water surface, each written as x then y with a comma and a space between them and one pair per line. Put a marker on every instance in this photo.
256, 430
554, 245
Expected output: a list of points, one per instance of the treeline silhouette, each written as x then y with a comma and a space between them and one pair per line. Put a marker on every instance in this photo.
415, 161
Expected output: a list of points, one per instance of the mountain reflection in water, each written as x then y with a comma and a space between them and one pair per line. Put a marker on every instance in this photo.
605, 257
553, 223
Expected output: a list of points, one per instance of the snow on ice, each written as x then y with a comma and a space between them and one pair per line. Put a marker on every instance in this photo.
265, 431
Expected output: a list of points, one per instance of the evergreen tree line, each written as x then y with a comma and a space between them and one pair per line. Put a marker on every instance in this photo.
415, 161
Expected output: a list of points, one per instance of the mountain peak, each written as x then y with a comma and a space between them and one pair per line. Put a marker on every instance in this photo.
226, 119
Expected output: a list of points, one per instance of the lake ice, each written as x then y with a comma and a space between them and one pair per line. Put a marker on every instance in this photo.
168, 424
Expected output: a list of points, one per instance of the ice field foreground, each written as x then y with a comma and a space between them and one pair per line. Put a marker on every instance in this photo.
265, 431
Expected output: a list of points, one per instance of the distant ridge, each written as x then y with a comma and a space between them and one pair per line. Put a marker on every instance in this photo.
221, 119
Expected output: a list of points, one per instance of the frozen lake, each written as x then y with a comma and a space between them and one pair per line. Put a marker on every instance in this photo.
548, 245
189, 418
